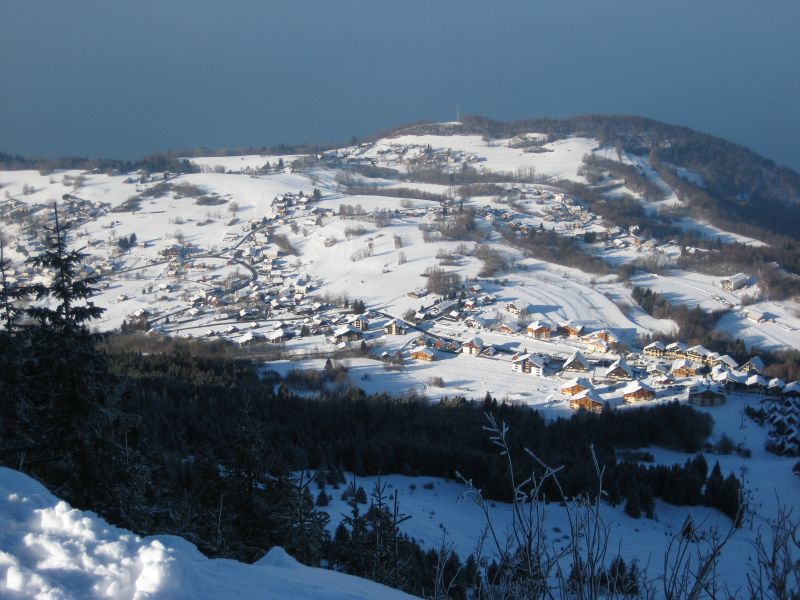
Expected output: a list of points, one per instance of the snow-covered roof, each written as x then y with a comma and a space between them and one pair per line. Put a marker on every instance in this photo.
577, 359
344, 330
754, 363
619, 364
636, 386
577, 381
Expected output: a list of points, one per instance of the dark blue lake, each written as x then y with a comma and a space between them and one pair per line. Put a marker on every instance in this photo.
124, 78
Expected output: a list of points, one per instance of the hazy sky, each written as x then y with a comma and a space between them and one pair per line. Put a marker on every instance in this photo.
120, 78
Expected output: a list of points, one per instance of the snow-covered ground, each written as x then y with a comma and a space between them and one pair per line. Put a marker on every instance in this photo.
443, 513
242, 163
231, 221
560, 159
778, 328
49, 550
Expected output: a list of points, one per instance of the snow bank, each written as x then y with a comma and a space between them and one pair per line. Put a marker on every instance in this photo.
50, 550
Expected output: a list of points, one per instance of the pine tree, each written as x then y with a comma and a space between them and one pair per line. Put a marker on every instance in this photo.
7, 293
633, 506
66, 430
713, 491
731, 499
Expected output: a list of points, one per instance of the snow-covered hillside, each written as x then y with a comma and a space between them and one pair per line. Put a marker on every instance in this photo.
49, 550
263, 250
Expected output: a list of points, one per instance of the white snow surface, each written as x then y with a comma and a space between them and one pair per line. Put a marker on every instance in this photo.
49, 550
444, 513
561, 158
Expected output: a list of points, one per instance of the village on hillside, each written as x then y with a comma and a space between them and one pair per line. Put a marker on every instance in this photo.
291, 258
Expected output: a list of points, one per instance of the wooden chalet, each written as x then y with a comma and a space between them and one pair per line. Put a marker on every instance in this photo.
606, 336
587, 400
278, 336
775, 386
473, 346
706, 396
576, 386
754, 365
619, 370
395, 327
698, 353
475, 322
570, 329
756, 384
539, 330
724, 361
662, 380
792, 390
676, 350
638, 391
360, 322
250, 338
683, 367
423, 353
576, 362
597, 345
347, 333
655, 350
526, 363
509, 328
730, 381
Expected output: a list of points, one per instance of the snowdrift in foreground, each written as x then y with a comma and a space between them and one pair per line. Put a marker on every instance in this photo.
51, 550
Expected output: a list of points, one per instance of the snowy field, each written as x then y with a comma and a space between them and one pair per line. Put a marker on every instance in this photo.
560, 159
443, 513
780, 327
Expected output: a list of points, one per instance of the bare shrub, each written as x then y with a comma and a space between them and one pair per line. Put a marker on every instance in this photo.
351, 232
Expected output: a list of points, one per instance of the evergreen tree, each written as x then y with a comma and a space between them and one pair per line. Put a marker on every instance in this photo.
731, 502
633, 506
7, 293
67, 431
713, 491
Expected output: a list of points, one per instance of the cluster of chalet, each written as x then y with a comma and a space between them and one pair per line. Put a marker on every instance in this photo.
583, 393
601, 341
36, 217
289, 204
427, 348
722, 370
567, 216
407, 155
340, 329
783, 417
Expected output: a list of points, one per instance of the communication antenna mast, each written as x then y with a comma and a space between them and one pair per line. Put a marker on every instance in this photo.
458, 112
